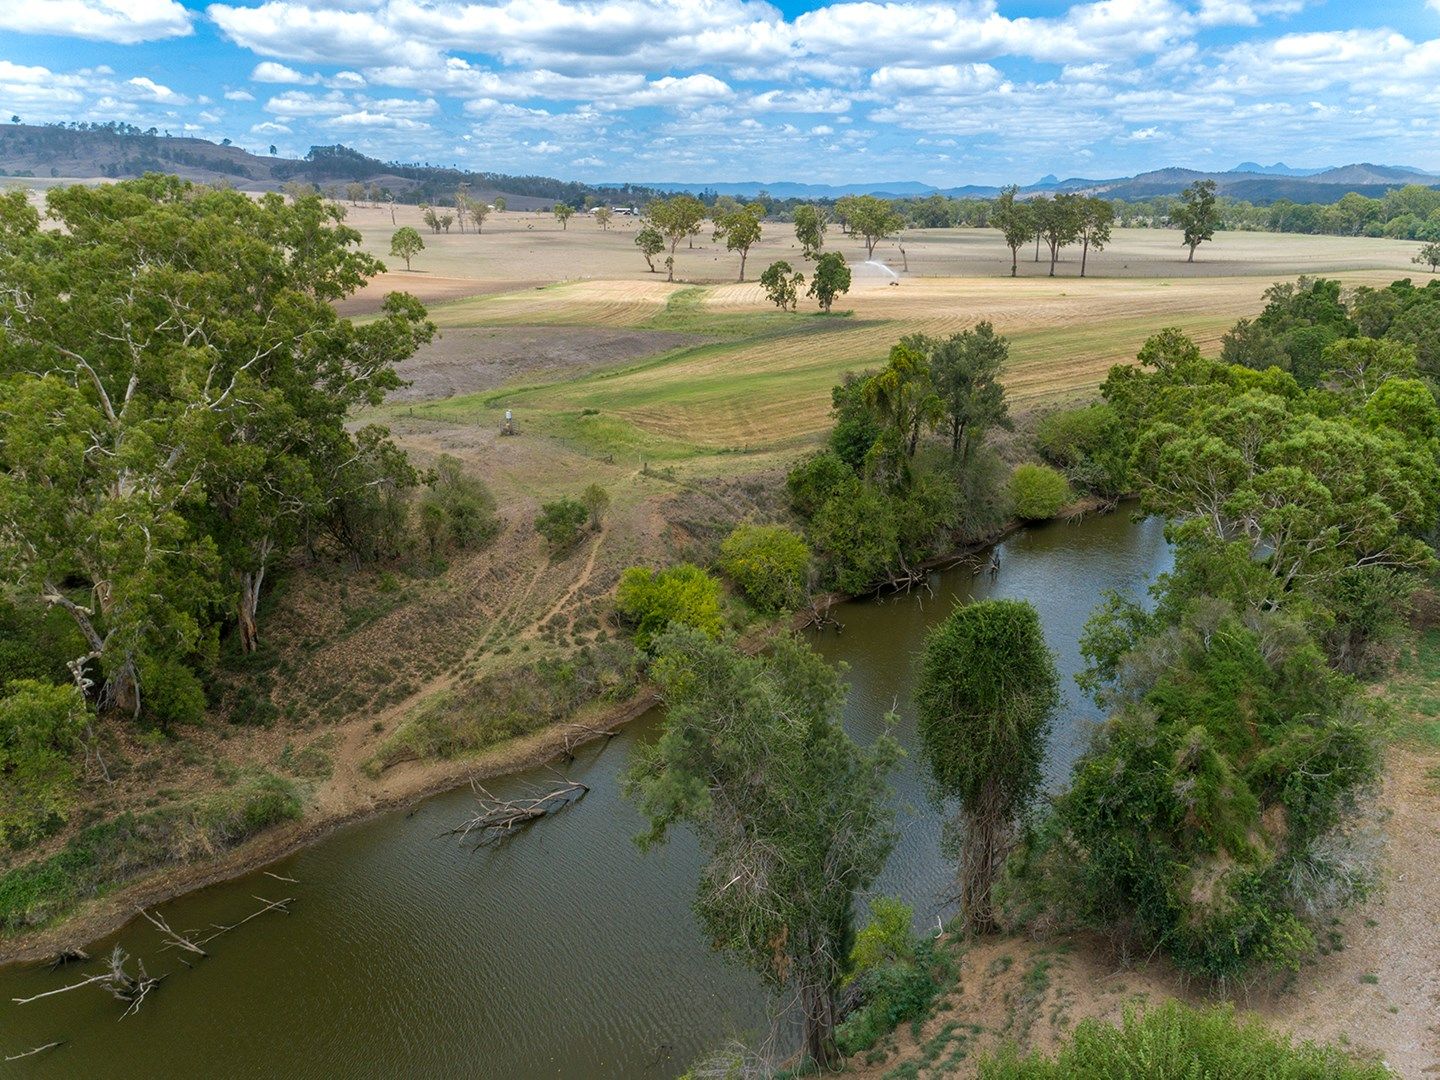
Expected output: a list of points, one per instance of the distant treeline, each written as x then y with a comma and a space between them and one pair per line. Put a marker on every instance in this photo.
1411, 212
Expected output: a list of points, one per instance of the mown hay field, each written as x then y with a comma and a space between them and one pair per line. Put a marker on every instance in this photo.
755, 381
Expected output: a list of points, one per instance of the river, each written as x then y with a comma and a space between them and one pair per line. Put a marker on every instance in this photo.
565, 953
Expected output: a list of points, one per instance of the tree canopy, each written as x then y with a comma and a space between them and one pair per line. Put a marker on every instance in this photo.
791, 814
174, 388
1197, 215
870, 218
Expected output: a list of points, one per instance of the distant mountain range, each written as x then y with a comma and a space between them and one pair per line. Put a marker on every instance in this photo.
1248, 180
118, 150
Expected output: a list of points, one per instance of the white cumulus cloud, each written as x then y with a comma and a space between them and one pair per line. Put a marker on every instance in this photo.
124, 22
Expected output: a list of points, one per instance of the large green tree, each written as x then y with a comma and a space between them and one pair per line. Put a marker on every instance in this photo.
676, 218
791, 814
965, 371
830, 280
1015, 221
169, 436
985, 695
1060, 221
810, 226
870, 218
1097, 216
740, 229
1197, 216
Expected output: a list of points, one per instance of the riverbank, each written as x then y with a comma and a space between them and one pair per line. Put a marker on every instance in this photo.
1374, 987
354, 795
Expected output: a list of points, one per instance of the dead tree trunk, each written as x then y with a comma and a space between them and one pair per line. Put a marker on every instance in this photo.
497, 820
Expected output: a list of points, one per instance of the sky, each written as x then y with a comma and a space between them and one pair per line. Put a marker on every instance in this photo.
975, 91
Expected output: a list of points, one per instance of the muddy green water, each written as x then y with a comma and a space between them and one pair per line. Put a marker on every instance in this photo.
565, 953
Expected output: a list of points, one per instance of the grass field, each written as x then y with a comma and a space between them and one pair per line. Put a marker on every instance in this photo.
755, 382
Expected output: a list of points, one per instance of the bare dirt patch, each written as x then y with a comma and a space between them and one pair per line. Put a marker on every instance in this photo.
462, 361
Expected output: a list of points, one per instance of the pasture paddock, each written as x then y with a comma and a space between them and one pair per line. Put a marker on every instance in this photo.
712, 378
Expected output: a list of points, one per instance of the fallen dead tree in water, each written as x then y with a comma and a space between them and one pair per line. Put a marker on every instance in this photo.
189, 942
36, 1050
583, 733
131, 989
496, 820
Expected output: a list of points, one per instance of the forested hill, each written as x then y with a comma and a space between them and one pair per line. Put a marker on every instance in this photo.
122, 150
119, 150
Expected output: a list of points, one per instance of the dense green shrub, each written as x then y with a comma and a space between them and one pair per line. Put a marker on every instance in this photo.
36, 641
649, 601
856, 426
1218, 814
174, 695
895, 976
596, 501
858, 537
818, 479
983, 505
40, 728
1039, 492
770, 564
1089, 445
561, 522
1175, 1042
457, 510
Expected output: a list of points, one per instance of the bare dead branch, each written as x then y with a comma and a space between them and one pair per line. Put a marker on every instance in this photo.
37, 1050
496, 820
270, 905
176, 940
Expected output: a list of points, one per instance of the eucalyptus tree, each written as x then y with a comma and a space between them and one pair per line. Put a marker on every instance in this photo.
791, 814
165, 440
810, 226
651, 243
965, 372
1016, 223
870, 218
740, 229
1060, 221
830, 280
563, 213
1097, 217
781, 283
985, 697
462, 205
676, 218
406, 244
1198, 216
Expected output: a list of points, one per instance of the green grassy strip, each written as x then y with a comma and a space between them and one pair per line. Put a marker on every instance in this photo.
105, 856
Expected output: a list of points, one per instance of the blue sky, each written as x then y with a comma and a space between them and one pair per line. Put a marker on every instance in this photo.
979, 91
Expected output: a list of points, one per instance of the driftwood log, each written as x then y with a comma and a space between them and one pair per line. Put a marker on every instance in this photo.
496, 820
131, 989
37, 1050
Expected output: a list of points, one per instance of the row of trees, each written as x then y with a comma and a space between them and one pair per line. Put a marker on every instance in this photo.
1221, 814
